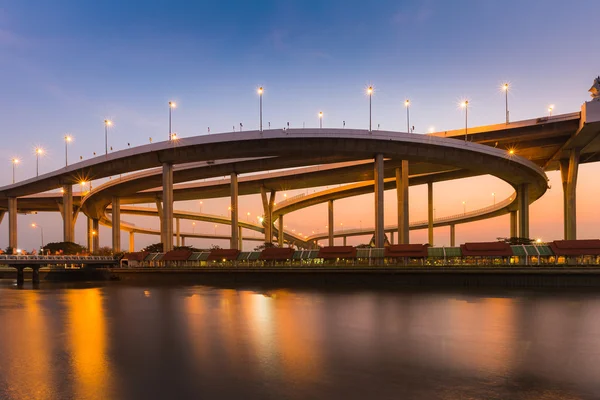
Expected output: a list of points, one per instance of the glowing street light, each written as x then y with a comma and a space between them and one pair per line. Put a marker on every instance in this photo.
107, 123
370, 93
464, 207
34, 225
550, 109
505, 87
407, 105
193, 227
14, 161
320, 119
215, 229
172, 105
200, 206
68, 138
38, 152
465, 105
260, 94
494, 196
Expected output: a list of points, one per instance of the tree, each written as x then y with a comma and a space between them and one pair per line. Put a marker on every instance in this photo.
154, 248
64, 248
516, 240
265, 245
104, 251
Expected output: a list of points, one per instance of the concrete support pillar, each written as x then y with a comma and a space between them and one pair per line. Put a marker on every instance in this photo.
513, 224
268, 202
523, 200
116, 224
131, 242
68, 235
159, 210
330, 222
240, 239
20, 276
344, 240
392, 237
12, 222
95, 234
35, 275
234, 211
167, 207
452, 235
402, 196
430, 212
183, 241
2, 213
90, 236
280, 237
568, 172
177, 232
378, 178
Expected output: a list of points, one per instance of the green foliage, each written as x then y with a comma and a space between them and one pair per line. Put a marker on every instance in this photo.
265, 245
516, 240
69, 248
104, 251
154, 248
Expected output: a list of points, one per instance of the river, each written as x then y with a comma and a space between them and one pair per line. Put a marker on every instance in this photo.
120, 341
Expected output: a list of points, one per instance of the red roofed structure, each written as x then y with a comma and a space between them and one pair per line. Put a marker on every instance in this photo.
223, 254
138, 256
486, 249
406, 250
277, 253
589, 247
335, 252
177, 255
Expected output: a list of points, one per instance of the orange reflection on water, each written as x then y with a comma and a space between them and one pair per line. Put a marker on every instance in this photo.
87, 339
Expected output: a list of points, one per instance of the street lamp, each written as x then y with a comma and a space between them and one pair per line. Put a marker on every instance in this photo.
320, 119
260, 94
200, 206
107, 123
465, 105
550, 109
370, 93
68, 138
34, 225
494, 196
464, 207
407, 105
172, 105
193, 227
505, 87
215, 229
15, 161
38, 152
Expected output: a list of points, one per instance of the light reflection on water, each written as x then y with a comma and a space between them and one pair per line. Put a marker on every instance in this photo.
127, 342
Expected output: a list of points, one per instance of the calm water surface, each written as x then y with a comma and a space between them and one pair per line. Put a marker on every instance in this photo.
171, 342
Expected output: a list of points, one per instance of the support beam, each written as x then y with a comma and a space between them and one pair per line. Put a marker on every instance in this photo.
378, 178
523, 200
234, 212
2, 213
280, 235
452, 235
67, 213
159, 210
20, 276
568, 171
35, 275
167, 207
183, 241
402, 195
513, 224
96, 235
240, 239
430, 212
268, 202
90, 236
330, 223
116, 224
392, 237
131, 242
12, 223
344, 237
177, 232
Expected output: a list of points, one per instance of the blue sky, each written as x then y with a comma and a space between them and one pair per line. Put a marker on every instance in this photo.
65, 66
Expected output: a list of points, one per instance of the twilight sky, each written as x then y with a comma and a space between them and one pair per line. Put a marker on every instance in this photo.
65, 66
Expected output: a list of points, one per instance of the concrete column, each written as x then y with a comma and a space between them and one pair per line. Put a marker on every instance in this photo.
131, 242
378, 178
344, 240
280, 237
523, 199
159, 210
12, 222
167, 207
90, 236
430, 212
330, 224
452, 235
234, 211
116, 224
20, 276
2, 212
96, 236
268, 202
177, 232
402, 195
392, 237
568, 171
513, 224
240, 239
183, 241
35, 275
68, 235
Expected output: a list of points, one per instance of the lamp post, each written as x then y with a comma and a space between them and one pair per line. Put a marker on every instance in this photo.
38, 151
15, 161
320, 119
465, 105
68, 139
464, 207
200, 206
494, 196
193, 227
172, 105
260, 94
550, 109
370, 93
34, 225
407, 105
107, 123
505, 87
